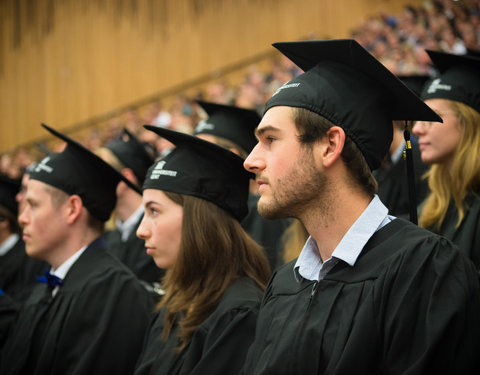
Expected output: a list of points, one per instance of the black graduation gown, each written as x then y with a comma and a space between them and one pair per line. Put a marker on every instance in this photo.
132, 253
409, 305
393, 185
467, 235
8, 313
267, 233
218, 346
95, 324
18, 272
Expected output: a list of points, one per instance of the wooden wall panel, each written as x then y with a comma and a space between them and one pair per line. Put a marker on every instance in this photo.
66, 61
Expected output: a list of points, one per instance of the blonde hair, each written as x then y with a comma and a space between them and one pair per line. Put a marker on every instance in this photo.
464, 176
294, 239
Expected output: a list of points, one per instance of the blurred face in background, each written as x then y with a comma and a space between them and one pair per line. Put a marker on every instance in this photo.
438, 141
161, 227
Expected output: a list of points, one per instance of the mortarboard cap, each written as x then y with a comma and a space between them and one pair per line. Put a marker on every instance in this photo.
415, 82
229, 122
201, 169
133, 154
473, 52
349, 87
8, 190
459, 79
76, 170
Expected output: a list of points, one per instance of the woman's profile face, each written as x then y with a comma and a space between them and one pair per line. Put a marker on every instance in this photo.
161, 227
438, 141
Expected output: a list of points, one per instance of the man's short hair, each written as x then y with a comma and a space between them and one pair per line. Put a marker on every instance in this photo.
313, 127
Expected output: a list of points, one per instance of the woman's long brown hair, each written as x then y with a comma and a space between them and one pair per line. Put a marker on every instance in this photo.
214, 251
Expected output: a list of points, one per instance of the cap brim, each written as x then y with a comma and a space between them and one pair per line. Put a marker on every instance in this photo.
178, 138
97, 159
406, 105
444, 61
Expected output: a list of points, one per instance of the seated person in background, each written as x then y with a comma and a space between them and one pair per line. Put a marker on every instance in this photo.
452, 208
194, 201
90, 315
369, 293
132, 159
233, 128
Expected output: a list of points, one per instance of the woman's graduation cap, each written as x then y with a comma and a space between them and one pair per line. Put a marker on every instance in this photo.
133, 154
459, 79
201, 169
76, 170
229, 122
350, 88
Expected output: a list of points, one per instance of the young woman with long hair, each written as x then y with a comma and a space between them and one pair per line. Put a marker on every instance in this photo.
453, 149
216, 273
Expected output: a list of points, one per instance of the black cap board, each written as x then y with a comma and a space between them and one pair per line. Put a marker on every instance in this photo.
8, 190
76, 170
415, 82
350, 88
459, 79
233, 123
201, 169
133, 154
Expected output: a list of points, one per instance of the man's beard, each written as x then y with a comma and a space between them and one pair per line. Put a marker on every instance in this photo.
295, 193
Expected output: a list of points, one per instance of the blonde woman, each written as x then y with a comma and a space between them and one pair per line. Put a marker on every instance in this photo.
453, 149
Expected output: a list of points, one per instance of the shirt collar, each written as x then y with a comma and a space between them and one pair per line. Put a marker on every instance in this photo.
9, 243
374, 217
128, 225
62, 271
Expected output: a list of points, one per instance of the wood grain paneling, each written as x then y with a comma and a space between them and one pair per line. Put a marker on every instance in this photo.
65, 61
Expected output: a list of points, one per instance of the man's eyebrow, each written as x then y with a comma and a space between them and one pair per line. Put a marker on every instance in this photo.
260, 131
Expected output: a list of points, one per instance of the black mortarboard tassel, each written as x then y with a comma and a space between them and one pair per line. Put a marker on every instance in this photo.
8, 190
201, 169
349, 87
76, 170
416, 84
459, 79
229, 122
133, 154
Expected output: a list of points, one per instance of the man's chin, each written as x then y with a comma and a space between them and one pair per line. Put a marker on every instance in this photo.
270, 212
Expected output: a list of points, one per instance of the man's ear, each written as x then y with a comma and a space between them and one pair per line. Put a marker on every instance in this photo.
73, 208
334, 141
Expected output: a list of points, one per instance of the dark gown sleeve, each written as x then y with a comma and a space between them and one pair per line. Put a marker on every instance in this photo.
426, 316
410, 305
8, 312
223, 348
111, 344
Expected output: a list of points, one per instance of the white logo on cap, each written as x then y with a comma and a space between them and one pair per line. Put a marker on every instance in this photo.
204, 125
286, 86
42, 166
436, 85
159, 171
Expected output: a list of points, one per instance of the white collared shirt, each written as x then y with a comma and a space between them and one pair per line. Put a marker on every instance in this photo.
62, 270
129, 225
9, 243
309, 264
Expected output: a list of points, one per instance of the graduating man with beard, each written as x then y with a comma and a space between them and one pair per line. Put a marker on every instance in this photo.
369, 293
